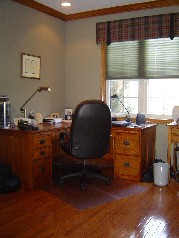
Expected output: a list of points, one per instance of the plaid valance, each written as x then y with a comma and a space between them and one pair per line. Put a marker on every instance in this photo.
140, 28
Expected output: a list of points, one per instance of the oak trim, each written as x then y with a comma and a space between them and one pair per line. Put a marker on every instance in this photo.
100, 12
149, 120
121, 9
103, 73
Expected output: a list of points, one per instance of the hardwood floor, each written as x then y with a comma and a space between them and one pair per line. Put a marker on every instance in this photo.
39, 214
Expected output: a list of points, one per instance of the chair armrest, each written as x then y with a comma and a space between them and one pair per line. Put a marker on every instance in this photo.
64, 138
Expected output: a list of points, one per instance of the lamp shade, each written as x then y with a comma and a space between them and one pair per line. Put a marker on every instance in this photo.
44, 89
175, 113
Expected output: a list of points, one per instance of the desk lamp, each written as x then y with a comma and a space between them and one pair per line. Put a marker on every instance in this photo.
23, 110
128, 116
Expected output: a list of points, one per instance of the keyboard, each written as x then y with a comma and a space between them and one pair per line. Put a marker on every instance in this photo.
121, 123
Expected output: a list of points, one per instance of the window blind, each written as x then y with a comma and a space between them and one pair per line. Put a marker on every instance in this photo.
147, 59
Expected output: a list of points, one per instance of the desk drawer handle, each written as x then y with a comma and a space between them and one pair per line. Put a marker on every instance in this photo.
126, 142
42, 142
126, 164
42, 152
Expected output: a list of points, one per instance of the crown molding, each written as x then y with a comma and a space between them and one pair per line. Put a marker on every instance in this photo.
101, 12
122, 9
42, 8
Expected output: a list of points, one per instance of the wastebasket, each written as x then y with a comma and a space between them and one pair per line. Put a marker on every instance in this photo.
161, 171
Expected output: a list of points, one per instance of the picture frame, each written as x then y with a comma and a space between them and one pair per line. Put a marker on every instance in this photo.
68, 113
55, 115
30, 66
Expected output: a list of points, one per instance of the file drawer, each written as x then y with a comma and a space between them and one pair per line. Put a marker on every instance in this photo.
127, 143
127, 167
134, 151
42, 152
175, 134
41, 171
39, 140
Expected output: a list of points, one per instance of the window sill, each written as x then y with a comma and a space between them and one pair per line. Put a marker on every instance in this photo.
150, 120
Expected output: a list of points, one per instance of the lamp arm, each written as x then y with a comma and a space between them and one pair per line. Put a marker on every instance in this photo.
123, 106
29, 99
128, 116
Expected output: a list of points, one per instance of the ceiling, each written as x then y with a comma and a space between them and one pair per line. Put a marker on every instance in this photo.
78, 6
90, 8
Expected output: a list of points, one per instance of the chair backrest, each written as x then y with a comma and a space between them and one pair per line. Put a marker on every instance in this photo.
90, 129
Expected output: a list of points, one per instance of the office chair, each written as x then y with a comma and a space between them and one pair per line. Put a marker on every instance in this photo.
88, 138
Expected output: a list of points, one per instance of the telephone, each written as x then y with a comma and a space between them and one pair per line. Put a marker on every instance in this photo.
23, 125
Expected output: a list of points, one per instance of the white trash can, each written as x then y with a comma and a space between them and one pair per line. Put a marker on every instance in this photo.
161, 171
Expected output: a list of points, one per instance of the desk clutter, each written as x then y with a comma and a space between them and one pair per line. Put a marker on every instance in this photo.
34, 119
23, 125
52, 120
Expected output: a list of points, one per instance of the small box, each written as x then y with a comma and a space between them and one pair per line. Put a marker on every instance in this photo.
140, 119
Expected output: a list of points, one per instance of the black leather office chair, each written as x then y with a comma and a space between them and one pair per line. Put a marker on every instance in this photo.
89, 137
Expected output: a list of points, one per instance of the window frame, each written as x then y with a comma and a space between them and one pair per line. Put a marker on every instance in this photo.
103, 91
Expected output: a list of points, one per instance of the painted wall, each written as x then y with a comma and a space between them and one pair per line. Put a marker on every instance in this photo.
24, 30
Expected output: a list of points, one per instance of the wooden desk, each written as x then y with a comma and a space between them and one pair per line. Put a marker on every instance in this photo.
173, 139
134, 151
30, 152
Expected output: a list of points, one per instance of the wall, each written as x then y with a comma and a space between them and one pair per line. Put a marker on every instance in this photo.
24, 30
83, 63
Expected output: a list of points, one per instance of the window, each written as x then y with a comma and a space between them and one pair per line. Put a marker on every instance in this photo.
144, 75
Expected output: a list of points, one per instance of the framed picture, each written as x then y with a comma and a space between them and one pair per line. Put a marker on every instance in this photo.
68, 113
30, 66
55, 115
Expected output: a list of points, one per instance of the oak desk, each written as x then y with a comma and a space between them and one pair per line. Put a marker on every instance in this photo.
134, 150
173, 139
30, 152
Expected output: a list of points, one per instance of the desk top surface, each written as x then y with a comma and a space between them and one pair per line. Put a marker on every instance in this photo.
60, 126
173, 124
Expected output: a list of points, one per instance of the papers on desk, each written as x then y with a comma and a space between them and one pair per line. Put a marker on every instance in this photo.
52, 120
57, 120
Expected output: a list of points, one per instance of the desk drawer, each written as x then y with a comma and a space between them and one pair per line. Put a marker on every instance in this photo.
127, 167
41, 168
127, 143
41, 140
43, 152
175, 134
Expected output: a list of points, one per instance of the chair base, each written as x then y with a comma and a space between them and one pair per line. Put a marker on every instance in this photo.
84, 175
